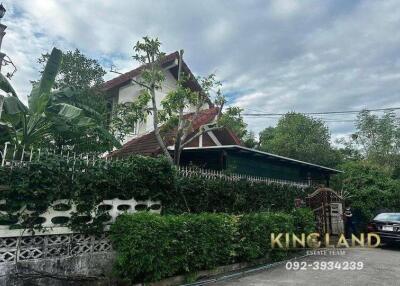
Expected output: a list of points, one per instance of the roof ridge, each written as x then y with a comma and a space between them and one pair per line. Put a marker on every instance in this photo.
134, 72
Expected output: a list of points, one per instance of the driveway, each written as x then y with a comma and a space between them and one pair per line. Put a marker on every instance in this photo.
380, 267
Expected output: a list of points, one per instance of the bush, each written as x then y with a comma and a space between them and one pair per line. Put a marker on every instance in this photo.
197, 194
151, 247
40, 183
304, 220
369, 188
255, 233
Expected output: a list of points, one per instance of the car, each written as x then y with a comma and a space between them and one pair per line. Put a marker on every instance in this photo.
387, 226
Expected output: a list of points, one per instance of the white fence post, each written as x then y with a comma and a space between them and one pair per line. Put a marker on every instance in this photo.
187, 171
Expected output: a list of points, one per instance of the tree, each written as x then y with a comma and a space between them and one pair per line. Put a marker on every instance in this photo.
48, 114
85, 75
265, 136
76, 70
232, 119
377, 139
249, 140
368, 187
171, 113
300, 137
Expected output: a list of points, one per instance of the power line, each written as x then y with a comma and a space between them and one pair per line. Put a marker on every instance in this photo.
321, 113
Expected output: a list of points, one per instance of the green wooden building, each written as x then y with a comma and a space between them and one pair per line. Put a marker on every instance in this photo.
242, 160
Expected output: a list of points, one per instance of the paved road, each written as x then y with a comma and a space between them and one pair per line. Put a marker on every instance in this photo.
381, 267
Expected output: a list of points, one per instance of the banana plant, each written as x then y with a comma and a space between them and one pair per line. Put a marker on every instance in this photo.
48, 115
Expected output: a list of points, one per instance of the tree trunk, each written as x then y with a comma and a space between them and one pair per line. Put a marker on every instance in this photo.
1, 102
179, 133
156, 129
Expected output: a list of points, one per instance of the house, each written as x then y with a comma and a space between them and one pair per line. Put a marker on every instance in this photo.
122, 89
218, 149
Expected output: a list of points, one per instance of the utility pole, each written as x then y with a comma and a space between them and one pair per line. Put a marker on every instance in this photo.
2, 55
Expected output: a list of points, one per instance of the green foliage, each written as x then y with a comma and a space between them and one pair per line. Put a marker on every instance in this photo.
6, 86
65, 117
84, 75
232, 119
377, 139
76, 70
196, 194
175, 104
128, 114
369, 188
304, 220
40, 93
41, 183
249, 140
151, 247
300, 137
255, 232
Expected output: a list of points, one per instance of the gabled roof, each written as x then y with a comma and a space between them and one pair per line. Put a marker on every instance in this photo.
147, 144
167, 61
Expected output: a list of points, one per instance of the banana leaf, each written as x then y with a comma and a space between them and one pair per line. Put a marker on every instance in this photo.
70, 95
40, 94
69, 112
6, 86
12, 105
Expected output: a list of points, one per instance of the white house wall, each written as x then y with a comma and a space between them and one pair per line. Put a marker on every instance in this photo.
130, 93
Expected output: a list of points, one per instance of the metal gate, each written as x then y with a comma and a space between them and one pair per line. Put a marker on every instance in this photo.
328, 210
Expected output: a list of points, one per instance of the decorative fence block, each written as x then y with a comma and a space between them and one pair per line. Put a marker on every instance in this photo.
24, 248
53, 217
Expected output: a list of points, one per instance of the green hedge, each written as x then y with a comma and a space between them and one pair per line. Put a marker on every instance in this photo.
151, 247
254, 232
196, 194
40, 183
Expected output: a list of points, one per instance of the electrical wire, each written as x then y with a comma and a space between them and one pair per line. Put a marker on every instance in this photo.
322, 113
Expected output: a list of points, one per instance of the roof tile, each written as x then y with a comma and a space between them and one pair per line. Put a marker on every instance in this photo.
147, 144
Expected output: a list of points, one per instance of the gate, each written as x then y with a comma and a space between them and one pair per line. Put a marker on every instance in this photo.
328, 210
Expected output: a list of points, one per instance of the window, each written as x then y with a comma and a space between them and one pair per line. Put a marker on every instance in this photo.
388, 217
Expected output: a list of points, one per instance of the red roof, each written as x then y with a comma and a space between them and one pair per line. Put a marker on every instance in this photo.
126, 77
148, 144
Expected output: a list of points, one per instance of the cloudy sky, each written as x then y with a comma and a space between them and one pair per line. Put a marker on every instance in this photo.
272, 56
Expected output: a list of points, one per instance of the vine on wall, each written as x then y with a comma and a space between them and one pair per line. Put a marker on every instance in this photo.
31, 189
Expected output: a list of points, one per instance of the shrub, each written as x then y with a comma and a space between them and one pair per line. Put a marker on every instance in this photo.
304, 220
197, 194
40, 183
150, 247
255, 233
369, 188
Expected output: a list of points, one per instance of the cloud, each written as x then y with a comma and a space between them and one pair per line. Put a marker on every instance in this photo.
272, 56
